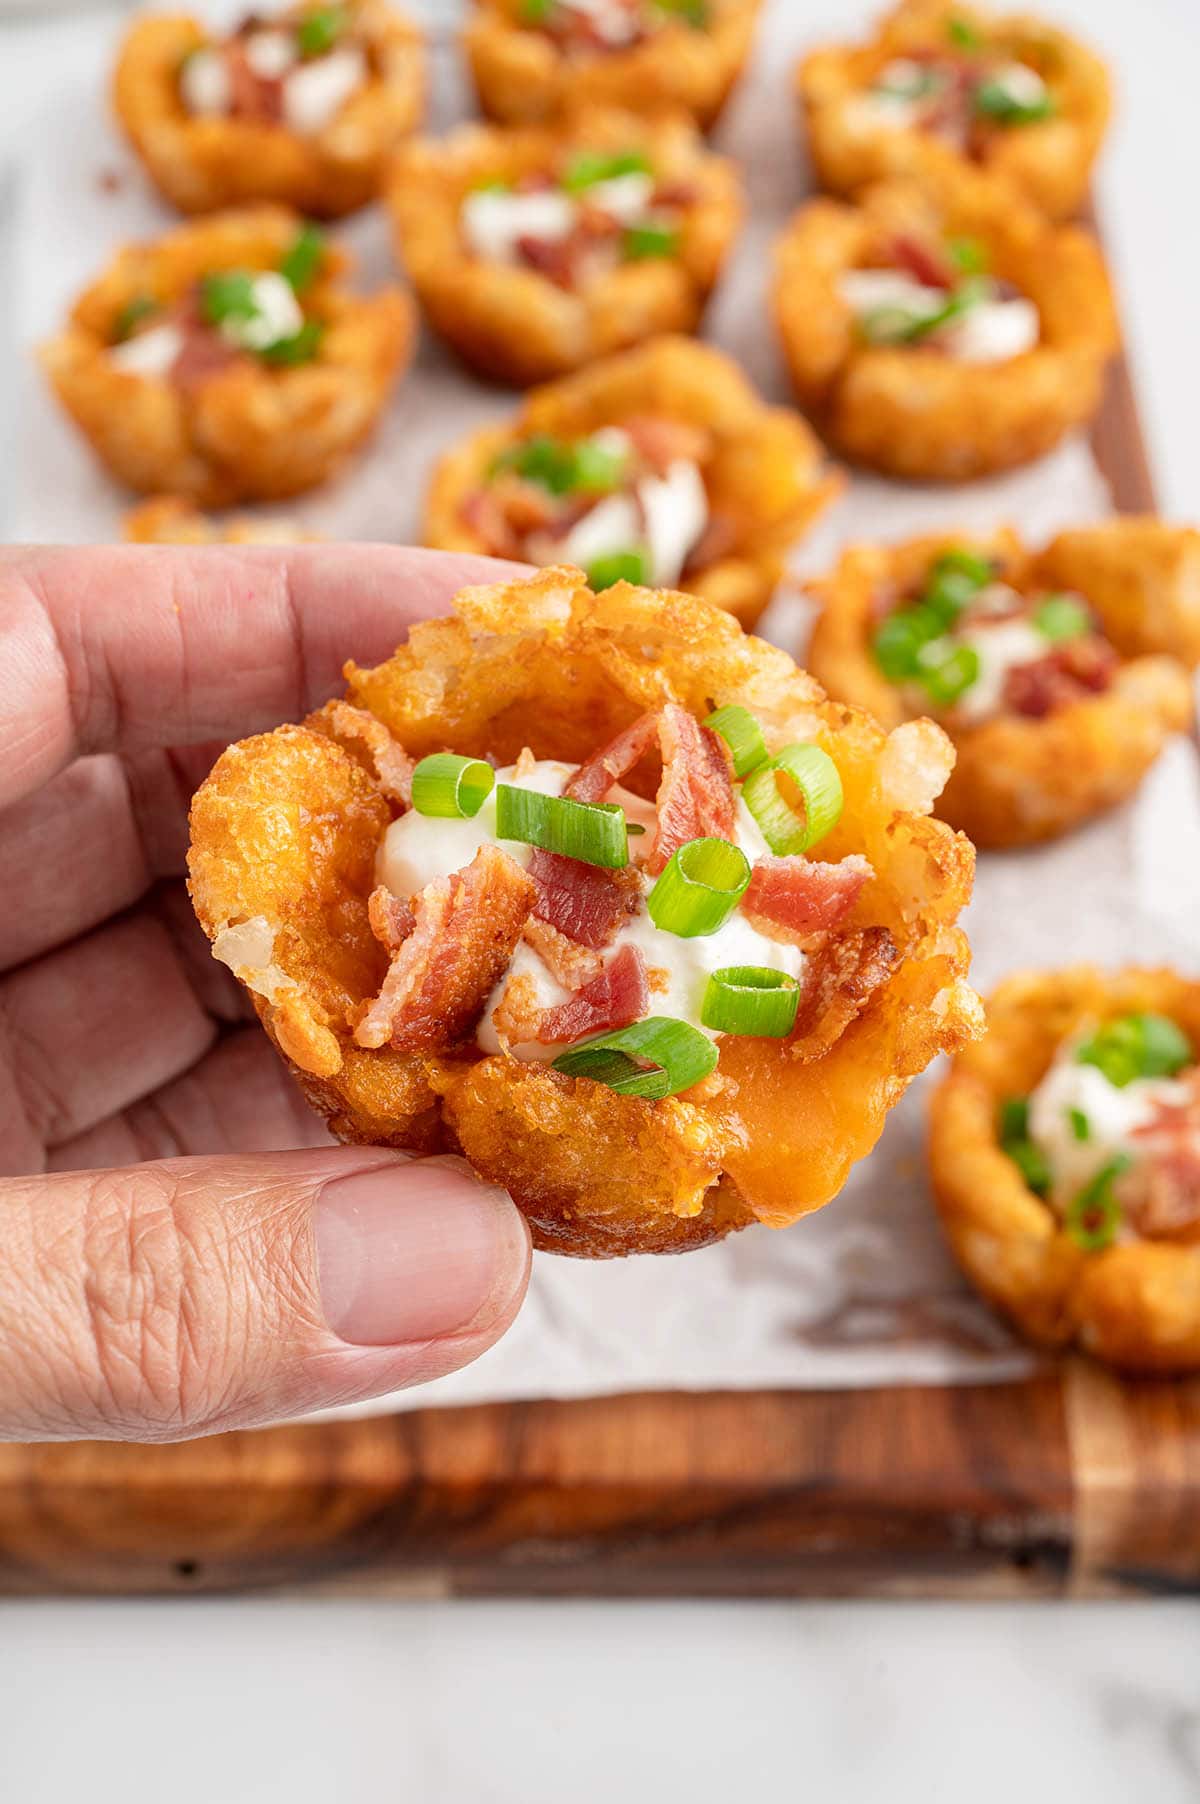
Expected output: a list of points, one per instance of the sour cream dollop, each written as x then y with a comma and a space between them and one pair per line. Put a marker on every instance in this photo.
1112, 1112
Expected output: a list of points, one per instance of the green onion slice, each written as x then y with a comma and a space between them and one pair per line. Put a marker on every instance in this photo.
1093, 1218
947, 670
654, 1058
564, 469
227, 294
955, 578
1133, 1046
451, 787
301, 347
589, 167
995, 100
1014, 1118
631, 566
652, 238
743, 735
969, 255
808, 770
1080, 1126
963, 34
319, 30
131, 316
536, 12
751, 999
700, 886
303, 258
1061, 617
593, 832
1032, 1164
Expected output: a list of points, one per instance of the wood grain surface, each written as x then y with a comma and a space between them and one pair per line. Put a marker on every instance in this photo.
1072, 1483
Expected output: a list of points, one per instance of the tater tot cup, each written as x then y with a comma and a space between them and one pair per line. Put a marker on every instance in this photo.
522, 77
284, 836
169, 520
1019, 780
920, 414
513, 323
1135, 1305
201, 164
766, 474
1048, 162
247, 432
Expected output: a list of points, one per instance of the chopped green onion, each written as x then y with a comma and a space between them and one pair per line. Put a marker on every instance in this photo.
700, 886
955, 578
319, 30
1093, 1218
490, 184
131, 316
995, 100
1032, 1164
1081, 1127
536, 12
564, 469
593, 832
451, 787
900, 637
227, 294
1134, 1046
654, 1058
652, 238
964, 34
1014, 1118
695, 12
1061, 617
301, 347
812, 772
597, 468
303, 259
947, 670
904, 325
588, 167
751, 999
743, 735
969, 255
631, 566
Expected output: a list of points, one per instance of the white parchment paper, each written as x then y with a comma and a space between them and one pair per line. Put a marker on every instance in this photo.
862, 1293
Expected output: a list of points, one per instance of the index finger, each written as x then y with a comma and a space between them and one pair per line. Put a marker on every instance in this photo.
126, 648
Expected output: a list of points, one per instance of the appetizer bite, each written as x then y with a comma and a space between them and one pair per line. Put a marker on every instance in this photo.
226, 361
660, 465
933, 334
532, 59
1065, 1153
604, 895
940, 84
303, 107
170, 520
536, 251
1059, 675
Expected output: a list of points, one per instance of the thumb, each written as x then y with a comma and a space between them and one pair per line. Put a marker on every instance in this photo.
191, 1295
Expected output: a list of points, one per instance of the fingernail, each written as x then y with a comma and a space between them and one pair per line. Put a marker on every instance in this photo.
408, 1252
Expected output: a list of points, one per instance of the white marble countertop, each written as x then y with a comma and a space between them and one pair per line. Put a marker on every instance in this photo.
245, 1701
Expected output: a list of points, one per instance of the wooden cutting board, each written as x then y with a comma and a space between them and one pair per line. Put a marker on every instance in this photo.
1070, 1483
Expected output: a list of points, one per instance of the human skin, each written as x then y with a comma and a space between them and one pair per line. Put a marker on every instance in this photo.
182, 1248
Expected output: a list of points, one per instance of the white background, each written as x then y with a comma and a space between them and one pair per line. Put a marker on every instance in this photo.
229, 1702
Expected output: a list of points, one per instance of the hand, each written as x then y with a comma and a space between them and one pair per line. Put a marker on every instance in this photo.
189, 1293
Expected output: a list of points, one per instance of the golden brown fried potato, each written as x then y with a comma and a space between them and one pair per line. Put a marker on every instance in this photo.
1135, 1305
169, 520
515, 324
1019, 780
913, 412
202, 164
283, 848
248, 432
1048, 162
523, 77
765, 472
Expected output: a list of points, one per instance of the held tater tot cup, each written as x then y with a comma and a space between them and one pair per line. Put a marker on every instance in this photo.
1064, 1149
304, 109
663, 458
534, 59
535, 251
1060, 676
943, 83
227, 362
936, 335
442, 969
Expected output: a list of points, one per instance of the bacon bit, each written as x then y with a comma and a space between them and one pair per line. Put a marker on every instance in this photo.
465, 933
526, 506
695, 798
391, 919
926, 261
1162, 1192
1076, 668
252, 96
660, 442
718, 539
204, 353
392, 765
553, 258
675, 194
840, 980
569, 963
618, 996
597, 774
482, 512
794, 898
582, 901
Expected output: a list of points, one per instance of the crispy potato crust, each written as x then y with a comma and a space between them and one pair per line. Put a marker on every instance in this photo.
516, 325
522, 77
912, 412
1136, 1305
203, 164
766, 473
284, 834
1019, 780
249, 432
1048, 163
169, 520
